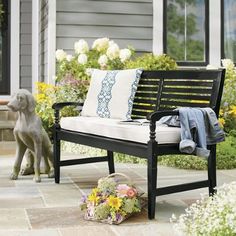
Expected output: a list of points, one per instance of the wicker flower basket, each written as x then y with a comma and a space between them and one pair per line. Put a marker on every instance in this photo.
112, 201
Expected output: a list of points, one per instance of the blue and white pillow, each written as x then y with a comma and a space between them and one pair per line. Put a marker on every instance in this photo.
111, 93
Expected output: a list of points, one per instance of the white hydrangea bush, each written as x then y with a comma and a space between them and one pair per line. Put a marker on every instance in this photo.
103, 54
211, 216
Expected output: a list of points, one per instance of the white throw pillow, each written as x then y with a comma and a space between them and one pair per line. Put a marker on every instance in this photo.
111, 93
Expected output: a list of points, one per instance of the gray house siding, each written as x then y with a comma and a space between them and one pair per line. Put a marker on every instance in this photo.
128, 22
25, 44
43, 39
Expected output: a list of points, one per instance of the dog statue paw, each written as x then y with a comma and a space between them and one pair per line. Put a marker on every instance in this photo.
37, 179
13, 176
51, 173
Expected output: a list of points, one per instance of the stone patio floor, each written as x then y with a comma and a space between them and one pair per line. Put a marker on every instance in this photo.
48, 209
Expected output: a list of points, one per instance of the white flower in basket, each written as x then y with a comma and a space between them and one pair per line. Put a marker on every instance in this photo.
112, 202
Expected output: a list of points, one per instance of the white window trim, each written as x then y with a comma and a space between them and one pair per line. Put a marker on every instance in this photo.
15, 49
51, 41
215, 32
158, 12
35, 44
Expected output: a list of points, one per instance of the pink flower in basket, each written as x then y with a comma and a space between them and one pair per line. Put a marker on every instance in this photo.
123, 190
132, 192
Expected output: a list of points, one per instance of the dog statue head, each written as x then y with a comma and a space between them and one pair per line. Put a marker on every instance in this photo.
23, 100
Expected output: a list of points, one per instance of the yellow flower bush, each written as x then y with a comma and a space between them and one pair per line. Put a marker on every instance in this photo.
47, 95
228, 105
232, 111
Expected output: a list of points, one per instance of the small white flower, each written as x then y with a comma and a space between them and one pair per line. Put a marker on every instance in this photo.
60, 55
125, 54
69, 58
81, 47
113, 51
101, 44
227, 63
82, 59
111, 42
102, 61
89, 71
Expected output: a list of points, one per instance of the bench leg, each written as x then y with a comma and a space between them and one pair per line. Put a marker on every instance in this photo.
57, 157
212, 170
152, 183
111, 165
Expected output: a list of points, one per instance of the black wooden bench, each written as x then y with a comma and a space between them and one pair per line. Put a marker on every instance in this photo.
159, 92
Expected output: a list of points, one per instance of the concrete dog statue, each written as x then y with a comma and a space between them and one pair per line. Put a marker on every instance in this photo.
30, 135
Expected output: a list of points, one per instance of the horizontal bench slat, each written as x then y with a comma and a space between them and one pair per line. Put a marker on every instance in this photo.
144, 107
147, 88
145, 95
145, 100
184, 104
182, 96
149, 82
175, 74
187, 90
140, 113
189, 83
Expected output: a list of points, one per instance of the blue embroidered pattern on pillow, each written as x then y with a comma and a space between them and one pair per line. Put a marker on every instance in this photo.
105, 95
134, 87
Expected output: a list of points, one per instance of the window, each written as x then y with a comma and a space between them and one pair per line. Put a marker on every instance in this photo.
4, 49
186, 31
228, 47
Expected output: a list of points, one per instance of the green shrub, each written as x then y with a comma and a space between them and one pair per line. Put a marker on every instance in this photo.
148, 61
228, 103
226, 152
226, 157
183, 162
47, 95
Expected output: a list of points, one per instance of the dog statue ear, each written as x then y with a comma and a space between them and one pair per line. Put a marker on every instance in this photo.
31, 102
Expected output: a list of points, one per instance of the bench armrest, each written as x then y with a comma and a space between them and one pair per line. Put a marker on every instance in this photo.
157, 115
58, 106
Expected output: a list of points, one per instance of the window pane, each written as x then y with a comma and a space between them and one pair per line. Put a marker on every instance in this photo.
0, 57
4, 50
186, 30
230, 29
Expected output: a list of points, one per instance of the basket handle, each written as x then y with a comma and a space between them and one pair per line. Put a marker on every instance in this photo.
120, 174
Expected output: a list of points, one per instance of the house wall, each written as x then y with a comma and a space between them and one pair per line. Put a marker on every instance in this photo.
128, 22
43, 40
25, 44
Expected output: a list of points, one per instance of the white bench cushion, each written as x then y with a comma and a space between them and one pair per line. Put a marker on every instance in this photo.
113, 129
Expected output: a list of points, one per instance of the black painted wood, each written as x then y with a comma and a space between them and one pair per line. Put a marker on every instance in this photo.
158, 94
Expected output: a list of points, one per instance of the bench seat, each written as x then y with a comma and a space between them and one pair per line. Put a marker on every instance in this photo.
112, 128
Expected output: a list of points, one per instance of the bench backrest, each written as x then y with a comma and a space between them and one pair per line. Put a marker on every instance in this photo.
167, 90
